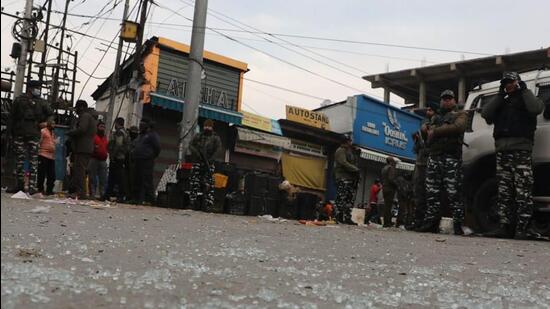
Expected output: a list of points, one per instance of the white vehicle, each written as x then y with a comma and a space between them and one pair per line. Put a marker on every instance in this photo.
480, 185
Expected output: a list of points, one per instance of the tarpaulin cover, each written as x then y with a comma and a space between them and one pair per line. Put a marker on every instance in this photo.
304, 171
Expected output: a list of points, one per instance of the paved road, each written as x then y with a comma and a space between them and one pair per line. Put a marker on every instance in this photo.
77, 256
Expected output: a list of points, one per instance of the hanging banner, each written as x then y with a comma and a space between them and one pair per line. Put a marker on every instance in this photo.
307, 117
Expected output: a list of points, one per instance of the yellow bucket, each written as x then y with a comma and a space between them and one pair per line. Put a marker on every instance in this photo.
220, 180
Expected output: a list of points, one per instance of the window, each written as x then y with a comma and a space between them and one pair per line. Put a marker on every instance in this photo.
544, 93
481, 100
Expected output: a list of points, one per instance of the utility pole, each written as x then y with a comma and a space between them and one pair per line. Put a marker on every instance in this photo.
193, 91
137, 77
55, 87
114, 77
43, 59
25, 41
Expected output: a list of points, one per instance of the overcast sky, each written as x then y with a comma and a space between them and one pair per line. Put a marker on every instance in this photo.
482, 27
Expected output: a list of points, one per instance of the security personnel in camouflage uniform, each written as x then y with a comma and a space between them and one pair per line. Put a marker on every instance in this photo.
27, 112
389, 188
444, 169
203, 149
514, 113
346, 173
419, 176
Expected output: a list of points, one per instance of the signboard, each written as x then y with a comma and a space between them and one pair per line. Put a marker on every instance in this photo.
382, 127
307, 148
257, 149
220, 87
307, 117
256, 121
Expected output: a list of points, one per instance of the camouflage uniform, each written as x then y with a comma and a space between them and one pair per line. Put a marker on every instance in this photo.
345, 194
444, 169
346, 173
444, 173
26, 114
389, 185
419, 177
515, 183
201, 186
514, 116
202, 149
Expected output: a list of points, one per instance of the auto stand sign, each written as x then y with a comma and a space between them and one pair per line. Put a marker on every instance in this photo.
307, 117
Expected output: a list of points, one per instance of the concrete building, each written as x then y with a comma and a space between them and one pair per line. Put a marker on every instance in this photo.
421, 85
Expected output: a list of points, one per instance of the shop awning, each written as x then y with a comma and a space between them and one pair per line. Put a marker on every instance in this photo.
248, 135
381, 157
205, 111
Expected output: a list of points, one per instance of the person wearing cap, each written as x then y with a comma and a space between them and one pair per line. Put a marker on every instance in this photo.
28, 111
514, 115
82, 146
202, 151
347, 177
145, 150
389, 183
444, 167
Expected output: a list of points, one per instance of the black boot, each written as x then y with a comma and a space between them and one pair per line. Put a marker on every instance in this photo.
457, 226
525, 232
429, 227
348, 221
503, 231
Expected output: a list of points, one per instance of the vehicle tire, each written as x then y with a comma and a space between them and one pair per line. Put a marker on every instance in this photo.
541, 223
485, 205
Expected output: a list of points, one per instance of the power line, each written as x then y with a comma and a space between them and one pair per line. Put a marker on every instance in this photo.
284, 89
288, 42
276, 57
318, 38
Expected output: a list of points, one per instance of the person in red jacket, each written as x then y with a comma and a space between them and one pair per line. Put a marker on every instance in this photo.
372, 209
97, 168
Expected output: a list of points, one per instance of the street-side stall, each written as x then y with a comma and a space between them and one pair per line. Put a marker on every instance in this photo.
308, 162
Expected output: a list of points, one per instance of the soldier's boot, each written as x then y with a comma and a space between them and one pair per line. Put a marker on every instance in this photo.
526, 232
429, 227
457, 227
503, 231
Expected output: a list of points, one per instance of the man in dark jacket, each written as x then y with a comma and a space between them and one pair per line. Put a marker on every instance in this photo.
514, 113
145, 150
389, 188
202, 150
444, 169
118, 151
347, 176
82, 146
27, 112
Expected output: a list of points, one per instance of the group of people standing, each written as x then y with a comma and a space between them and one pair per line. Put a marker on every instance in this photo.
102, 163
438, 167
120, 164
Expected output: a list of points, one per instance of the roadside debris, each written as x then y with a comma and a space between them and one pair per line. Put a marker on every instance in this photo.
271, 219
21, 195
32, 252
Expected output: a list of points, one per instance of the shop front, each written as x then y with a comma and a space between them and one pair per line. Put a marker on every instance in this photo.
161, 96
308, 161
379, 130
